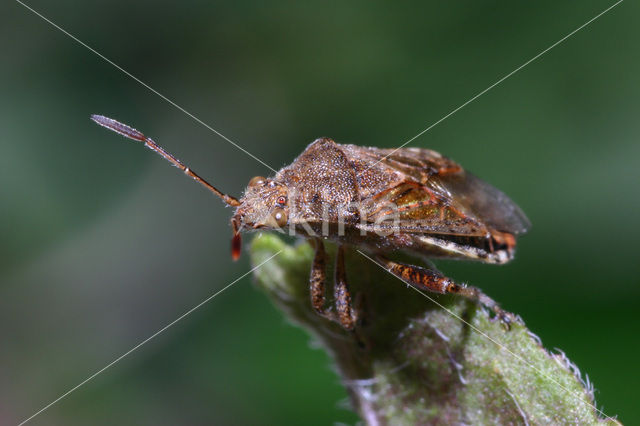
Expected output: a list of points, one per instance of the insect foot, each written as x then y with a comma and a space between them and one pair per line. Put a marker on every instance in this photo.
506, 318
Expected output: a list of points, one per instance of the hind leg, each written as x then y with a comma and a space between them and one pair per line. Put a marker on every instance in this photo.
432, 280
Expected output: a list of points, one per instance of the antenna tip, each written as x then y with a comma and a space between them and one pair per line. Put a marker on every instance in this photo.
120, 128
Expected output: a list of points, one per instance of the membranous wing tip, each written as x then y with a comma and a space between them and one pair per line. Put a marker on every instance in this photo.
120, 128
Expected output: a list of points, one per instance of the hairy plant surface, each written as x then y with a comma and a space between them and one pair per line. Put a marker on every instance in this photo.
414, 362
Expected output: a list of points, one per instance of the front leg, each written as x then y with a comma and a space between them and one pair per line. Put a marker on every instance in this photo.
318, 279
431, 280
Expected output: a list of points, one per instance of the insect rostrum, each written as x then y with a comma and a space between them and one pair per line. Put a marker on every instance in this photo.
380, 200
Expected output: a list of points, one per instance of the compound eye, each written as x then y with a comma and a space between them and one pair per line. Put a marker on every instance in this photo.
256, 181
280, 217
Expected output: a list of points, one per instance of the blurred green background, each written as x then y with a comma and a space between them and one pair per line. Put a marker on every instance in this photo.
102, 243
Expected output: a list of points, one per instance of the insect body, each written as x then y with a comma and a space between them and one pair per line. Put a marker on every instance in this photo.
381, 200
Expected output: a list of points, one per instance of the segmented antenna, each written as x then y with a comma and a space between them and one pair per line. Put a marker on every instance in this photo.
136, 135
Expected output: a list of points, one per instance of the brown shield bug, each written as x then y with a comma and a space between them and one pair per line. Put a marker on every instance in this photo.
381, 200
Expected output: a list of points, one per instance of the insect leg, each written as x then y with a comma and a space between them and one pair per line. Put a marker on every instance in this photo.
344, 308
434, 281
318, 278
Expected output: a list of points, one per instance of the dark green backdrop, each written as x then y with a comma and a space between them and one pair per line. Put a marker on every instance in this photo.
102, 244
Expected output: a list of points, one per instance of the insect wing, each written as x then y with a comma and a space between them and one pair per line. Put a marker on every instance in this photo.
438, 196
478, 198
416, 209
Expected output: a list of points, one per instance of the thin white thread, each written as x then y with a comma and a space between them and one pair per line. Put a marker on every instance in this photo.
495, 84
520, 410
145, 341
500, 345
147, 86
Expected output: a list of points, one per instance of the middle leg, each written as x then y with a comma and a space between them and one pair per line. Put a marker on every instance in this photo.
341, 295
